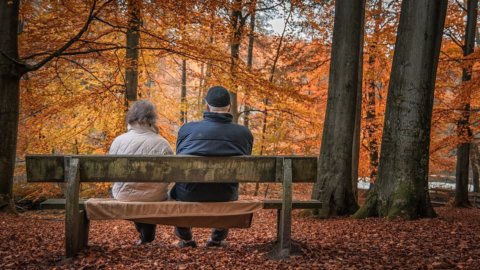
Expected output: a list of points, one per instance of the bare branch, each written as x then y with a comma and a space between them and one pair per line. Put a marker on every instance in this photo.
460, 5
270, 7
453, 38
12, 59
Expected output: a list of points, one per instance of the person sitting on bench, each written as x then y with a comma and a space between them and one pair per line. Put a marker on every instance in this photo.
216, 135
142, 138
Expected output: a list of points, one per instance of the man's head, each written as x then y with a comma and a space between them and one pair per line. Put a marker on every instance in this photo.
142, 112
218, 99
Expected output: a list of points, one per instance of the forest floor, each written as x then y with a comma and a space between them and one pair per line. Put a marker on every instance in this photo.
34, 240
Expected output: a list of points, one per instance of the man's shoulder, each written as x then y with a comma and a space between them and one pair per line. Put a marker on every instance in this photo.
242, 129
190, 125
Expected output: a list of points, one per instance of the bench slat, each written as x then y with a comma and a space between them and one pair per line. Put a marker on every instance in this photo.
267, 204
277, 204
106, 168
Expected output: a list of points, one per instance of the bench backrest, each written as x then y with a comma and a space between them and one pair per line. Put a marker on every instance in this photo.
122, 168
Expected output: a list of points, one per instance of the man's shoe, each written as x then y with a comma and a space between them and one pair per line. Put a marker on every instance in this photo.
211, 243
184, 244
141, 242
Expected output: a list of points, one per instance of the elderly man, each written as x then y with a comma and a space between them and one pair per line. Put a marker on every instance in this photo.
216, 135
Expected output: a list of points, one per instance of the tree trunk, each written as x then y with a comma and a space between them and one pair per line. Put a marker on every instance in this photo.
10, 75
474, 159
183, 98
335, 162
358, 115
371, 113
401, 189
133, 40
251, 40
237, 28
463, 127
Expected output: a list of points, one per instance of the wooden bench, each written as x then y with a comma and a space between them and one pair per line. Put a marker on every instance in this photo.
105, 168
441, 196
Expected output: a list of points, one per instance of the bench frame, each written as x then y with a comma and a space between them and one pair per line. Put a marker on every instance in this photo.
77, 224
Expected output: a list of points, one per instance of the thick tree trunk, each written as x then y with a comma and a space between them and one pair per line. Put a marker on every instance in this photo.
358, 116
10, 75
401, 189
474, 160
463, 127
183, 97
371, 113
133, 40
335, 162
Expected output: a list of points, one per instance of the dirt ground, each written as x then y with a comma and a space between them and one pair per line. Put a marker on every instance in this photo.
34, 240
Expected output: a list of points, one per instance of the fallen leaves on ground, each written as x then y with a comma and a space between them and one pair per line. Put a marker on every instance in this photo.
34, 240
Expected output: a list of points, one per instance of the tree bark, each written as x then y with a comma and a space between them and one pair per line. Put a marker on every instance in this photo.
10, 74
335, 162
133, 40
474, 159
371, 113
464, 132
237, 22
401, 189
358, 115
251, 40
183, 98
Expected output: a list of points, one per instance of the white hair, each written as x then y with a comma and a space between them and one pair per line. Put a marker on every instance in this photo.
218, 109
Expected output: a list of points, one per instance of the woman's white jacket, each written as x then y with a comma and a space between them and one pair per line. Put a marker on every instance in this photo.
140, 140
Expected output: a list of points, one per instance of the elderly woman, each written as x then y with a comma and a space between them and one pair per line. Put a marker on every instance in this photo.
142, 138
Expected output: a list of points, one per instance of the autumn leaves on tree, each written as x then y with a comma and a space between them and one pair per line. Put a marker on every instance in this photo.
68, 69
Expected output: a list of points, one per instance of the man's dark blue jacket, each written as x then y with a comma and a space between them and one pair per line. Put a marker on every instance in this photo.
216, 135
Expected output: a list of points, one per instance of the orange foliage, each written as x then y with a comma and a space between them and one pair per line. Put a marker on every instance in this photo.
76, 103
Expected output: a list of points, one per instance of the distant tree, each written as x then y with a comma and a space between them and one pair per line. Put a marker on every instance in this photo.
334, 182
401, 189
475, 161
133, 42
183, 96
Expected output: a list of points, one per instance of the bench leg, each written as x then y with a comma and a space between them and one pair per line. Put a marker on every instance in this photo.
72, 213
83, 230
285, 214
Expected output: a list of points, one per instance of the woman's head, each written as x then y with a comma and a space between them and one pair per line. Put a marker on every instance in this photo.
142, 112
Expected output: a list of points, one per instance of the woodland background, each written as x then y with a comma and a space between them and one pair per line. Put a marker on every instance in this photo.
76, 103
80, 64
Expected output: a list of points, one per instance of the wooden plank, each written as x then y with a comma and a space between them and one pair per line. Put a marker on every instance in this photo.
267, 204
45, 168
106, 168
285, 225
277, 204
59, 204
72, 215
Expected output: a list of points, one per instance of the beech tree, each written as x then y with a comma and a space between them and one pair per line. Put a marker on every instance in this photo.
401, 189
334, 180
12, 68
463, 127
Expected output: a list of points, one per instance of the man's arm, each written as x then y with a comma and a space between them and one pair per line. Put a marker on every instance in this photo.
180, 138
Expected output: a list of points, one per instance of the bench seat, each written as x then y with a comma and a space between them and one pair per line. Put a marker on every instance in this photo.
267, 204
236, 214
